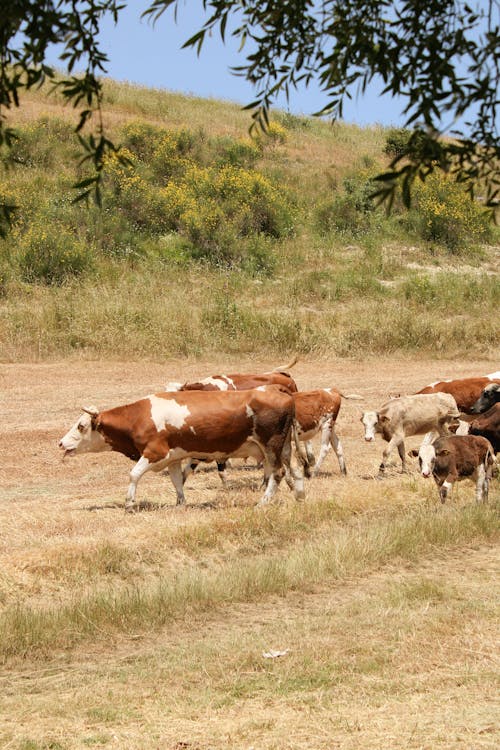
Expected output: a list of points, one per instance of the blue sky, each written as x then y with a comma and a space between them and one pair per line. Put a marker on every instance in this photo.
152, 56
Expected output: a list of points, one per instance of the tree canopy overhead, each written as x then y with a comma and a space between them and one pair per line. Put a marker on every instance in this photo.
440, 57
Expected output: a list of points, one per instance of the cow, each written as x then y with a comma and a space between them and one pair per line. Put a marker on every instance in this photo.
489, 397
315, 411
488, 425
240, 382
454, 458
409, 415
161, 430
465, 391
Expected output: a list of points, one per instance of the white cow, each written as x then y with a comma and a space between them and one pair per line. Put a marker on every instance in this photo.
410, 415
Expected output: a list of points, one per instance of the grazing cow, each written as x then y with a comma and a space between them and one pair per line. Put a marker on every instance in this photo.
489, 397
239, 382
162, 430
465, 391
488, 425
409, 415
453, 458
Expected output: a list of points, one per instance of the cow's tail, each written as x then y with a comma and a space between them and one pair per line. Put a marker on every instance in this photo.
283, 368
352, 396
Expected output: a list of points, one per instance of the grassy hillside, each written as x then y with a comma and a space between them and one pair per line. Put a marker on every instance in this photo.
209, 241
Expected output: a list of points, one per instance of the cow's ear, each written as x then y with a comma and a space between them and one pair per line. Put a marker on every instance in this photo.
382, 418
413, 453
443, 452
92, 411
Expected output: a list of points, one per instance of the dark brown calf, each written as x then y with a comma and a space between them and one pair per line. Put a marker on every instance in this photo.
454, 458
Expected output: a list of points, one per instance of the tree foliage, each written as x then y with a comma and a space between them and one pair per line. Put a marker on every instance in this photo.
441, 57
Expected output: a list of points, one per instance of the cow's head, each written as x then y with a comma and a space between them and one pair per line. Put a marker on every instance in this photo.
83, 437
489, 396
371, 422
426, 458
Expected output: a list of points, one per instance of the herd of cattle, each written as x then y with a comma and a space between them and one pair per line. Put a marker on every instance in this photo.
267, 418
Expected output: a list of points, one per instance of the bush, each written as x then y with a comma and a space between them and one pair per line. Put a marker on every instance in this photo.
215, 209
52, 255
40, 143
238, 152
351, 211
402, 142
444, 212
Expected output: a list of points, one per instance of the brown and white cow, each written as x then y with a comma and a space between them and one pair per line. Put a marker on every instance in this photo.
240, 382
162, 430
409, 415
465, 391
317, 411
453, 458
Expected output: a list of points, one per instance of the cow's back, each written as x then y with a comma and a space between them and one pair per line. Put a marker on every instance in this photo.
465, 391
311, 406
418, 414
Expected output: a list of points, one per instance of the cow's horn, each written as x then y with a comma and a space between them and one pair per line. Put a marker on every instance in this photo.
92, 410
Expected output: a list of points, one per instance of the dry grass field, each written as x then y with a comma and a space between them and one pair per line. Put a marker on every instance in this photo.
386, 646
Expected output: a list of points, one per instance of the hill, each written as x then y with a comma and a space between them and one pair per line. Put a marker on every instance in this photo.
209, 241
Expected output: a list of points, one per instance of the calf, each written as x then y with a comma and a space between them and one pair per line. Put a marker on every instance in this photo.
162, 430
487, 399
409, 415
465, 391
453, 458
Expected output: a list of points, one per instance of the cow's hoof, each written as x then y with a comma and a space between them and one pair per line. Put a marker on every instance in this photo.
130, 508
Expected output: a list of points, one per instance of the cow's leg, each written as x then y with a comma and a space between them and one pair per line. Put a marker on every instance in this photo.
141, 467
309, 452
176, 475
481, 484
279, 465
445, 489
402, 456
330, 438
188, 469
221, 468
396, 440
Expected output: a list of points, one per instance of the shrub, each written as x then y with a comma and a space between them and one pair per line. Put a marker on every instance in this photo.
238, 152
402, 142
444, 212
51, 255
40, 143
217, 208
351, 211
